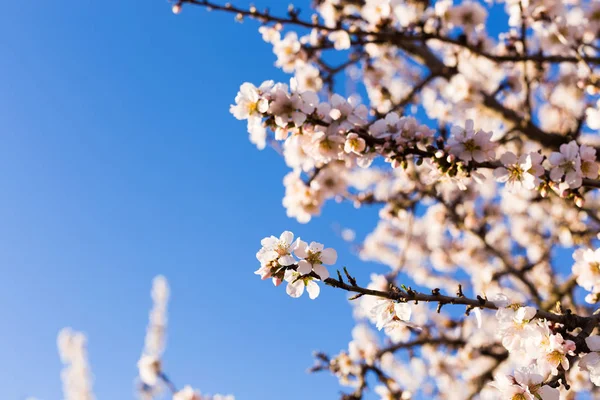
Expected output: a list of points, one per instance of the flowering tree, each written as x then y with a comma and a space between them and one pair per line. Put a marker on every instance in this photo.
480, 149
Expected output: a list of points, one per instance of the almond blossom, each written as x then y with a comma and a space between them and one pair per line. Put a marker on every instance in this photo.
525, 385
468, 144
388, 313
567, 164
522, 172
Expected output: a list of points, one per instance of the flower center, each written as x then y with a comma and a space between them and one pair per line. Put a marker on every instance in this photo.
515, 173
471, 146
314, 258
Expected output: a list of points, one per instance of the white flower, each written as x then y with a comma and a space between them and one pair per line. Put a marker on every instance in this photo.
309, 78
567, 164
525, 385
340, 39
248, 102
468, 15
354, 144
522, 172
346, 113
313, 257
288, 51
278, 249
375, 10
556, 350
269, 34
514, 327
467, 145
187, 393
388, 311
275, 254
291, 108
297, 283
258, 132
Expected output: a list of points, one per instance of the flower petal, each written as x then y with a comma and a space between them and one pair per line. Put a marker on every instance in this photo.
313, 290
321, 271
304, 267
329, 256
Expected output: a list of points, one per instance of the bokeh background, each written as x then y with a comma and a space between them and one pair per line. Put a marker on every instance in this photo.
119, 161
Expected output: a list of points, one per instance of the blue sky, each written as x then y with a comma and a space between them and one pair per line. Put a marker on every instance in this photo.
120, 161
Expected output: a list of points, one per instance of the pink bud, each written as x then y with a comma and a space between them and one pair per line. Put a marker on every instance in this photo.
176, 8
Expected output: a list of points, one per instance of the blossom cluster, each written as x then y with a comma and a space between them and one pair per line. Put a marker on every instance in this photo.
277, 262
329, 138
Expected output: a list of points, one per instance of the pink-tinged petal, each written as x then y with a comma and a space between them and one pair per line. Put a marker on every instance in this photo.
280, 121
277, 281
573, 178
313, 290
286, 260
269, 241
321, 271
593, 342
501, 174
328, 256
587, 152
548, 393
508, 158
286, 237
300, 250
310, 98
479, 156
298, 118
403, 311
295, 289
315, 247
556, 174
556, 158
266, 255
570, 150
264, 272
469, 125
304, 267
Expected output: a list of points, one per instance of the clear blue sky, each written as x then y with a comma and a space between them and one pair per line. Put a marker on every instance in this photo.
119, 161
